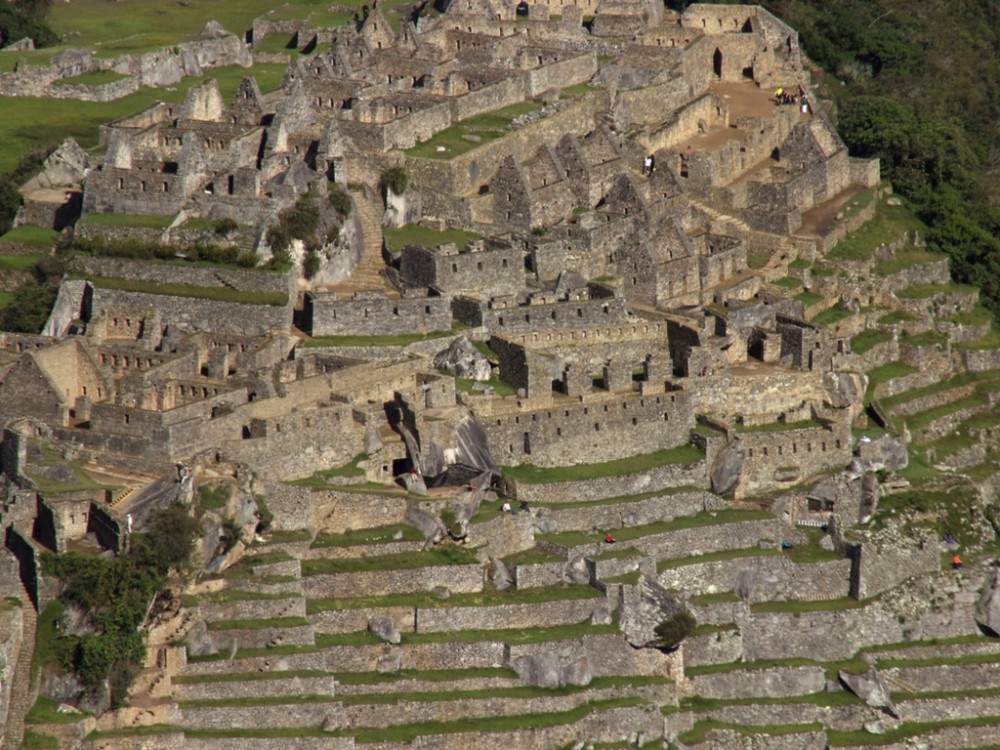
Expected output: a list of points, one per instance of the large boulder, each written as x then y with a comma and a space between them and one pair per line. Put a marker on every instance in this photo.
502, 578
67, 166
429, 525
870, 688
988, 606
538, 670
644, 606
463, 359
385, 628
728, 467
844, 389
885, 452
577, 570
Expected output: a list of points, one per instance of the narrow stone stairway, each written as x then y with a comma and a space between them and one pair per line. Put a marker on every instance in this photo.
20, 689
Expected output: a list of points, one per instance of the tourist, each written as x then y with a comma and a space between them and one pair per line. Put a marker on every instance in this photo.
609, 539
505, 508
524, 507
647, 166
805, 105
956, 563
949, 539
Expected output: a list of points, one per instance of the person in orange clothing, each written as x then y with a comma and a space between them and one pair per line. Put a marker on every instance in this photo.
956, 562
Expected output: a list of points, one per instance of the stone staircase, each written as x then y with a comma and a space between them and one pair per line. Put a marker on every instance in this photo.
21, 690
368, 275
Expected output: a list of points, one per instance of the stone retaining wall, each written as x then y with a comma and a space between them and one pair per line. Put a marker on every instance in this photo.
354, 620
279, 686
721, 647
300, 635
774, 577
533, 615
658, 478
248, 609
775, 682
459, 579
261, 716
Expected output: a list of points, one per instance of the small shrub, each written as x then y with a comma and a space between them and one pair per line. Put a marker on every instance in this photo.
226, 226
264, 515
246, 260
278, 239
310, 264
672, 631
339, 200
396, 180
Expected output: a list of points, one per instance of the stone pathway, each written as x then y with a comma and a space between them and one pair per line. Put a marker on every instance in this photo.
368, 274
21, 687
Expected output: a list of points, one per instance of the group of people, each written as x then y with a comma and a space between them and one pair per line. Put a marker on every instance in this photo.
508, 508
784, 97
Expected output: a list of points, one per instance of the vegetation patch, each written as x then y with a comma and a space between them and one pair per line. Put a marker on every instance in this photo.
30, 235
448, 554
867, 340
531, 474
483, 128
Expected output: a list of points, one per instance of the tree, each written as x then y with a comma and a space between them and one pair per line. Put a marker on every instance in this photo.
673, 630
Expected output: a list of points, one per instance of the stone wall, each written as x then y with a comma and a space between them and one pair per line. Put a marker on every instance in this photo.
506, 616
776, 682
591, 432
273, 687
378, 316
490, 270
219, 277
459, 579
190, 313
661, 477
767, 576
788, 456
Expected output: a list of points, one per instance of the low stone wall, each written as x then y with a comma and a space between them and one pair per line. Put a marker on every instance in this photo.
537, 575
277, 687
459, 579
354, 620
100, 92
944, 709
261, 716
412, 712
947, 677
721, 647
249, 609
220, 277
533, 615
775, 682
836, 635
658, 478
772, 576
608, 654
704, 539
636, 513
299, 635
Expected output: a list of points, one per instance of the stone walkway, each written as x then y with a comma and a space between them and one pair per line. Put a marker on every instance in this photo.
21, 687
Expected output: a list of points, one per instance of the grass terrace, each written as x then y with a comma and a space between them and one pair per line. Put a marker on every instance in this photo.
403, 339
729, 554
359, 537
789, 282
809, 298
831, 315
926, 291
45, 711
487, 598
125, 220
441, 555
500, 388
31, 235
415, 234
39, 123
905, 259
484, 128
17, 262
530, 474
887, 372
888, 225
219, 294
867, 340
705, 518
965, 378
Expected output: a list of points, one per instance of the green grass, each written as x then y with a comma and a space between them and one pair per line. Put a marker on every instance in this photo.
18, 262
757, 261
218, 294
809, 298
47, 648
888, 225
699, 732
831, 315
896, 316
789, 282
849, 737
991, 340
376, 535
45, 711
927, 338
869, 339
926, 291
798, 607
31, 123
927, 416
887, 372
487, 127
531, 474
6, 298
32, 235
905, 259
442, 555
415, 234
402, 339
963, 379
33, 740
213, 496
